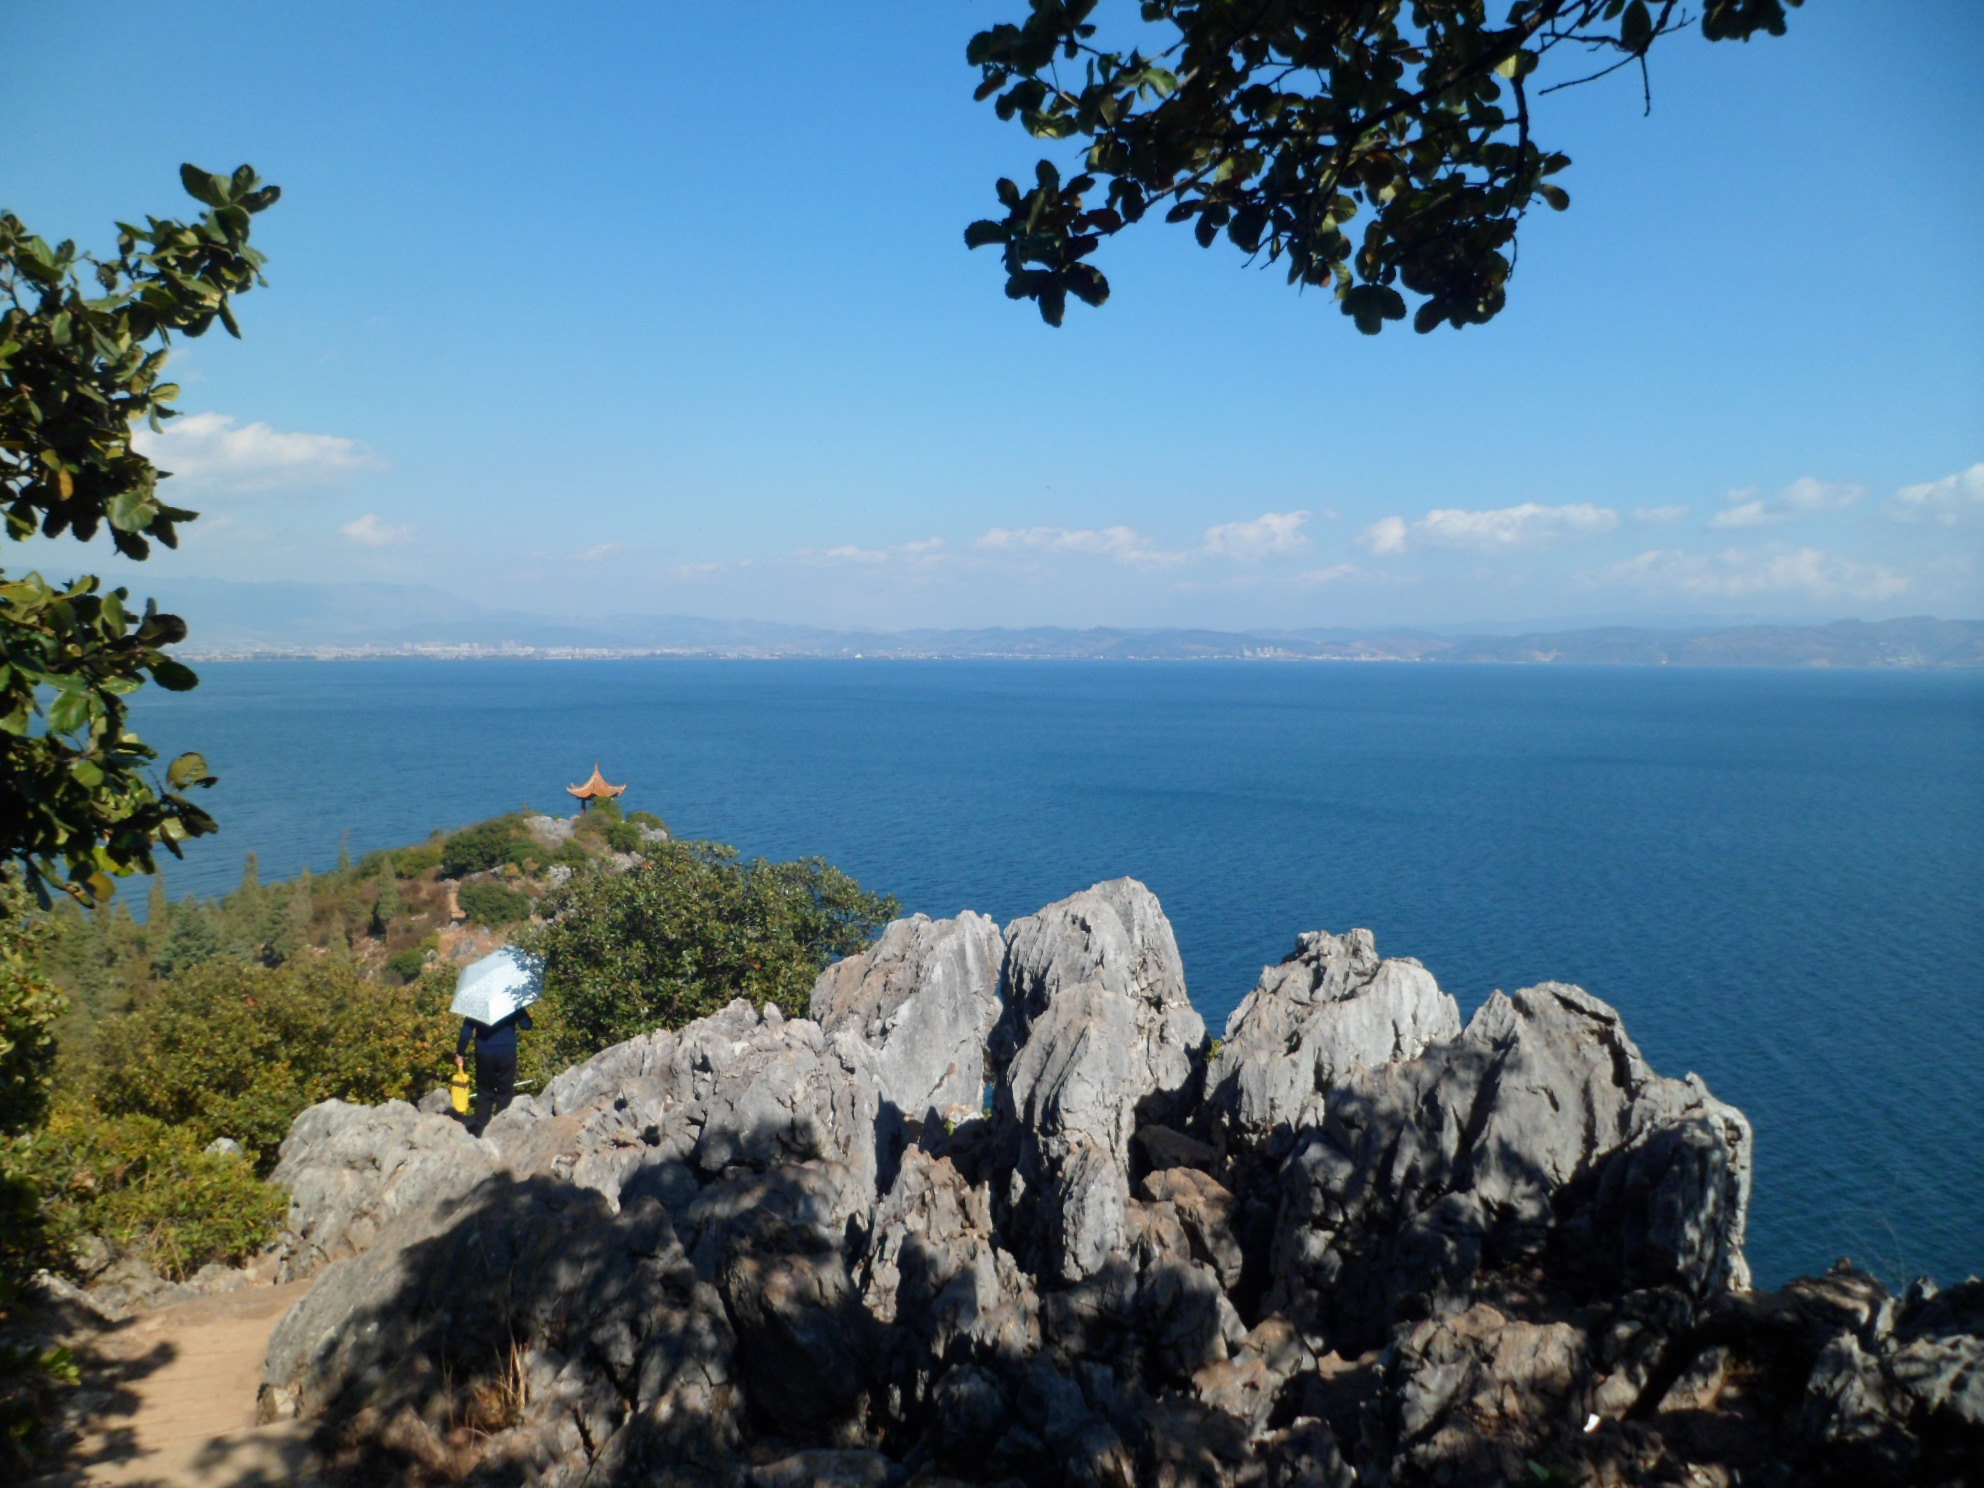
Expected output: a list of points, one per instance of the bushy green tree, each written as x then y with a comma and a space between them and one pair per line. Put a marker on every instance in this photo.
486, 845
386, 907
146, 1186
494, 904
681, 935
1278, 125
83, 345
233, 1050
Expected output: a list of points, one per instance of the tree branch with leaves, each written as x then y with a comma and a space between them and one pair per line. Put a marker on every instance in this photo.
83, 346
1277, 123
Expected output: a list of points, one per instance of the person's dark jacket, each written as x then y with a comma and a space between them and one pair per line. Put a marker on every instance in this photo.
492, 1038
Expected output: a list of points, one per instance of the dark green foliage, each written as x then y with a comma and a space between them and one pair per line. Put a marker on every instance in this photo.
683, 934
82, 349
486, 845
190, 935
624, 837
386, 907
408, 964
647, 819
1277, 125
231, 1050
493, 903
29, 1010
146, 1186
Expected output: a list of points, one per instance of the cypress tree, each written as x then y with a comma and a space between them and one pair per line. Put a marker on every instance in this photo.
386, 908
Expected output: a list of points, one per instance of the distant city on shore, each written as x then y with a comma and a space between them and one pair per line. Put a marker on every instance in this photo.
338, 622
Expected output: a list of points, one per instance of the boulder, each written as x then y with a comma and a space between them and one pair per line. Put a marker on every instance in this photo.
924, 1000
1427, 1173
1331, 1007
1103, 1036
351, 1170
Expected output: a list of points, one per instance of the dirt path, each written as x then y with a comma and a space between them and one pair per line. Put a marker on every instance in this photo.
182, 1407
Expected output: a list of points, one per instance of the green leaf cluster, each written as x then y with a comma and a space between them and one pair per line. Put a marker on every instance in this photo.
83, 346
680, 936
494, 903
146, 1186
229, 1049
1278, 125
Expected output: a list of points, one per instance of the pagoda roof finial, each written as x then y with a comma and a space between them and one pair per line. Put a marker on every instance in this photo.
595, 787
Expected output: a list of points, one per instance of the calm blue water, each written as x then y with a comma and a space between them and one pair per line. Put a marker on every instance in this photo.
1776, 875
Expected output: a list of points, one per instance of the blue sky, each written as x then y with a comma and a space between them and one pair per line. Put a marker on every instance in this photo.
658, 308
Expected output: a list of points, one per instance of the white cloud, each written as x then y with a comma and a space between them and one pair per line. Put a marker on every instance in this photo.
213, 450
1119, 544
1953, 499
1250, 542
1802, 497
1660, 513
598, 551
1333, 574
374, 533
1736, 572
1503, 530
918, 554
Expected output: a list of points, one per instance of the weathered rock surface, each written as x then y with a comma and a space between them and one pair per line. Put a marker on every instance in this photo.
1364, 1248
1103, 1035
1540, 1136
1331, 1007
924, 999
351, 1170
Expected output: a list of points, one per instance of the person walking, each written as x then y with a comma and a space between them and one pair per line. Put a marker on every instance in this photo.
495, 1063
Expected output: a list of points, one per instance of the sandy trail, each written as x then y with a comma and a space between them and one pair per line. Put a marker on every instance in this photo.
183, 1410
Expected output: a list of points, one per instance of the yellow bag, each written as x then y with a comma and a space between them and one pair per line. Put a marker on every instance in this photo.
458, 1092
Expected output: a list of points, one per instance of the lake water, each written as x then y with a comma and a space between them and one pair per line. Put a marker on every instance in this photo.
1775, 875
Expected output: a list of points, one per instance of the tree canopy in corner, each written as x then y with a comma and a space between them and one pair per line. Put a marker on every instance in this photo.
1281, 123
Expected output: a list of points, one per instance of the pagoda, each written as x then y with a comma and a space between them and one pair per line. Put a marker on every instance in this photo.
594, 789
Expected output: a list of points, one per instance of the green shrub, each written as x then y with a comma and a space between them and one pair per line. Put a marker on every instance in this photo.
493, 903
624, 837
485, 845
572, 854
146, 1186
417, 862
408, 964
646, 819
237, 1051
29, 1009
683, 934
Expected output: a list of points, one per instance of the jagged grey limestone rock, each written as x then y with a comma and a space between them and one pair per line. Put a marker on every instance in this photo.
924, 999
1424, 1173
1102, 1034
1331, 1007
351, 1170
1414, 1255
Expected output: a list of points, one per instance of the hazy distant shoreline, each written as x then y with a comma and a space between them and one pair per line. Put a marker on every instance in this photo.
1911, 644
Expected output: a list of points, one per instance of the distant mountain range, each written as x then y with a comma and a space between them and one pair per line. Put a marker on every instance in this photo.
234, 621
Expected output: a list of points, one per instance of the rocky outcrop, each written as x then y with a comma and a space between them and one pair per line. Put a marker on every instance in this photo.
352, 1170
1539, 1137
1103, 1035
924, 999
1330, 1008
1359, 1247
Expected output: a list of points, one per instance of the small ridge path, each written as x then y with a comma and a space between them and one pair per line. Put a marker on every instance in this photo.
183, 1414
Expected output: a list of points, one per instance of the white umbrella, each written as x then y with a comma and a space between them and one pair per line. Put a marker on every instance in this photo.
497, 985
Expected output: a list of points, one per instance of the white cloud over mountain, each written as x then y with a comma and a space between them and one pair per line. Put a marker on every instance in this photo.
1737, 572
1249, 542
1504, 529
1953, 499
216, 451
374, 533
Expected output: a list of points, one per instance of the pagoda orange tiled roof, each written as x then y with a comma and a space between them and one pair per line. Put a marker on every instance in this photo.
596, 786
